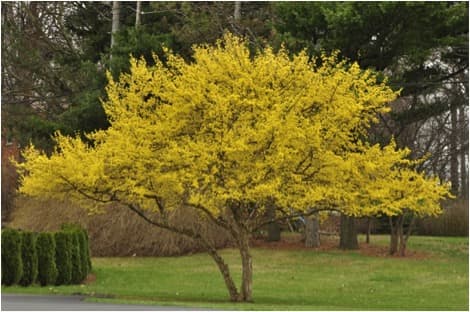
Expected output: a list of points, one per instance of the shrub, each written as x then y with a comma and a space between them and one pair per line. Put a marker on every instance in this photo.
83, 252
47, 270
63, 258
12, 264
30, 259
87, 251
84, 249
116, 232
452, 222
77, 275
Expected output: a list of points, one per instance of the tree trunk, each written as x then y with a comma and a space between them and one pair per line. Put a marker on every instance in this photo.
242, 237
463, 140
398, 239
348, 233
403, 243
401, 238
138, 12
246, 289
236, 12
454, 160
369, 227
393, 236
115, 22
224, 269
312, 231
274, 229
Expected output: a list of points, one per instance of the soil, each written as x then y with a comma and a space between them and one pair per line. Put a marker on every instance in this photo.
91, 278
331, 244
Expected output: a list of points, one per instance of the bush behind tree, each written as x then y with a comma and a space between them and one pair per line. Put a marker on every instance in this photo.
116, 232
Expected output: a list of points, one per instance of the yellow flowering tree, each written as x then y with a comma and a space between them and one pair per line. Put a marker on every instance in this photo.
383, 182
226, 135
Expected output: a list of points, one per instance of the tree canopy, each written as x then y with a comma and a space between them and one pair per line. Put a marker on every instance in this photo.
231, 133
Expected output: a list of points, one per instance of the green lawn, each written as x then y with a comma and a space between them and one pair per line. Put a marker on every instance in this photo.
292, 279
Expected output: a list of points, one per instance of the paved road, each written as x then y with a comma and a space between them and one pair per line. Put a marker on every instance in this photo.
14, 302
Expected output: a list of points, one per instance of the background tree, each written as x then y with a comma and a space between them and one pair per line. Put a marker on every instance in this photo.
422, 48
47, 84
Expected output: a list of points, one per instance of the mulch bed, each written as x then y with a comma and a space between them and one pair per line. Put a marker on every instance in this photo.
331, 244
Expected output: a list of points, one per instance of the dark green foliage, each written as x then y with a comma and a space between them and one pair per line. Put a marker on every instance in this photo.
87, 251
83, 253
12, 264
30, 259
77, 273
63, 257
47, 270
83, 262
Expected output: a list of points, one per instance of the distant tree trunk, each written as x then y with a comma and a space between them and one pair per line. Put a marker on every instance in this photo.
348, 233
398, 238
237, 11
393, 237
312, 231
138, 12
369, 226
454, 152
463, 140
274, 229
115, 22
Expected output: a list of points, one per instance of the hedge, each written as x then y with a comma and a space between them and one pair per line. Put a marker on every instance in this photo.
12, 263
81, 261
63, 258
30, 259
77, 275
46, 248
59, 258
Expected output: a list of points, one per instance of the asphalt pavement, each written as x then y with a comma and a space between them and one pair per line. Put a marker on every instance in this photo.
22, 302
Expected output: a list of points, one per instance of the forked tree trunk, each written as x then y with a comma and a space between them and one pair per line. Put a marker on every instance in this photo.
242, 236
398, 238
348, 233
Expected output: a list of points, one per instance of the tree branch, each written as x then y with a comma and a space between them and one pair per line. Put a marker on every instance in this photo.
292, 216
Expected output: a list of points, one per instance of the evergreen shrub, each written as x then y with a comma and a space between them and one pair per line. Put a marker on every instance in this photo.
12, 263
30, 259
47, 270
63, 257
84, 259
77, 275
83, 252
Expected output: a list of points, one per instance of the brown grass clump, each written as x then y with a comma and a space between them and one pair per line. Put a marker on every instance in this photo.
117, 231
452, 222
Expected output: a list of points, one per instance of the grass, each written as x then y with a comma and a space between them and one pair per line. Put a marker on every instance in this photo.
291, 279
